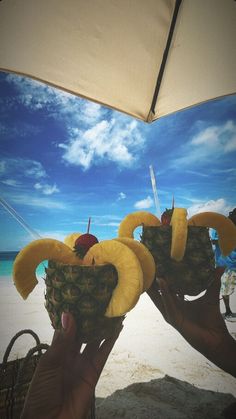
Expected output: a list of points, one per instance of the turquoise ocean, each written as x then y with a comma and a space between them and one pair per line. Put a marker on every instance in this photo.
6, 266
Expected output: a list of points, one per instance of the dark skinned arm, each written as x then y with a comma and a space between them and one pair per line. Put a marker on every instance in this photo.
199, 322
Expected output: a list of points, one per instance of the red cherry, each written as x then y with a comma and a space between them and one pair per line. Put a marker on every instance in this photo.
84, 242
165, 220
166, 216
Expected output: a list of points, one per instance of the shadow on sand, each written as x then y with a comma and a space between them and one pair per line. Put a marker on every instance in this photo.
165, 398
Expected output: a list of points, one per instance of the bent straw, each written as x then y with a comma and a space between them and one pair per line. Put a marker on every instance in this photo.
154, 188
18, 218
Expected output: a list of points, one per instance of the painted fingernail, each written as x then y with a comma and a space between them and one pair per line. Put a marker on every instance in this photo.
65, 320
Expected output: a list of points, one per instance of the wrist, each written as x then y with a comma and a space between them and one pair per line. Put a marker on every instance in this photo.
224, 355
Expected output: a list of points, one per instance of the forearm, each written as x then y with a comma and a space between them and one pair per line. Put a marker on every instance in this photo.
224, 356
216, 345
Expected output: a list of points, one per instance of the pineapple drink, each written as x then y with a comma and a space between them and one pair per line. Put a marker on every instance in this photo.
85, 291
195, 272
99, 289
182, 248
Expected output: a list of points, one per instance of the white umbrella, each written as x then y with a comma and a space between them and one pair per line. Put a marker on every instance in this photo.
146, 58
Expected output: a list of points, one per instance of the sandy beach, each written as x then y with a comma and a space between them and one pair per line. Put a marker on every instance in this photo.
147, 350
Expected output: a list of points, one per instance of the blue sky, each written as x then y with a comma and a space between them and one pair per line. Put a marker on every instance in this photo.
64, 159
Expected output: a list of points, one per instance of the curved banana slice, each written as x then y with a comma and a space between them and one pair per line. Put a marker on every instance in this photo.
179, 225
130, 275
34, 253
224, 226
136, 219
145, 258
71, 239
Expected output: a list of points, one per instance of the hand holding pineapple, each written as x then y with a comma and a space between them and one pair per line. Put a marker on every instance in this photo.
181, 247
64, 381
97, 282
199, 321
100, 282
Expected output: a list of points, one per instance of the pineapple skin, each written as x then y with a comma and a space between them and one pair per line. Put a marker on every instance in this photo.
195, 272
85, 291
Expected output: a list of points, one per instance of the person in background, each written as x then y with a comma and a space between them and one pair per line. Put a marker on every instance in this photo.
228, 279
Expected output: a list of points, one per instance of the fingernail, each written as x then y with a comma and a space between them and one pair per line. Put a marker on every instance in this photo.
65, 320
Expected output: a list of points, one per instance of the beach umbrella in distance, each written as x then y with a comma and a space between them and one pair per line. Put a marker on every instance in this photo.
144, 58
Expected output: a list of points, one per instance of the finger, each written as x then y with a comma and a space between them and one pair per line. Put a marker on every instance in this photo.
213, 291
63, 339
155, 294
91, 348
68, 327
173, 315
104, 351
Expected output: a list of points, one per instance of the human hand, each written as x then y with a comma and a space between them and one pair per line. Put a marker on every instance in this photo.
199, 321
64, 382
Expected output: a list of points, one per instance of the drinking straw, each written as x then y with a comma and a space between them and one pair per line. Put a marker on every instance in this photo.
173, 202
154, 188
18, 218
88, 228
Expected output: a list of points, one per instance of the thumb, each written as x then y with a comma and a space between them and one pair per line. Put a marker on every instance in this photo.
63, 340
213, 291
68, 329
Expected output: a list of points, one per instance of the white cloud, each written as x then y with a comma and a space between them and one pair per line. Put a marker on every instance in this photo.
100, 220
58, 104
116, 140
95, 133
46, 189
223, 136
211, 143
219, 205
46, 203
22, 167
91, 113
121, 196
144, 203
197, 173
57, 235
11, 182
2, 166
108, 224
34, 170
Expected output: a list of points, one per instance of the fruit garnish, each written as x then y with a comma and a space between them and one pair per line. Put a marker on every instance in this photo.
195, 272
145, 258
71, 238
130, 275
179, 226
223, 225
83, 244
166, 216
134, 220
32, 255
85, 291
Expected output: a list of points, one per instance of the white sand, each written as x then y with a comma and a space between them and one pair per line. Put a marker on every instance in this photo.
148, 348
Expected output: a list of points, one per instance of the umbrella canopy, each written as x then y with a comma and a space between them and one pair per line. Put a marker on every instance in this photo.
144, 58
